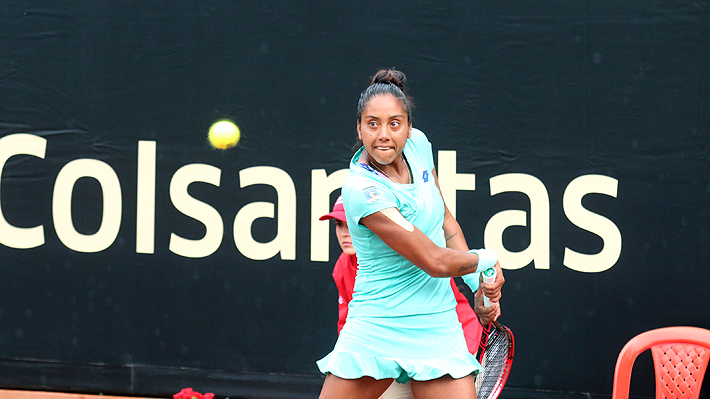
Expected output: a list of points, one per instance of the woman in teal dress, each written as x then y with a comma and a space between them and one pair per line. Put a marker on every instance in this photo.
402, 322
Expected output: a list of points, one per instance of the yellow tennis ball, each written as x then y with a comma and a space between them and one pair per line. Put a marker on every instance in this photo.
224, 134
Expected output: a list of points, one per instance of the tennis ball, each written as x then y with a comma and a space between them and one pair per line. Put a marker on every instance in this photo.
224, 134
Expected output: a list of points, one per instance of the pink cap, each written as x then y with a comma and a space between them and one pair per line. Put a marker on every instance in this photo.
338, 211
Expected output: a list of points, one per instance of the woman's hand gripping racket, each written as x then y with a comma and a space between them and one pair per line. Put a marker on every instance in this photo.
495, 352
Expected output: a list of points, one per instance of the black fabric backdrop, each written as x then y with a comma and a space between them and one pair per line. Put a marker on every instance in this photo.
551, 89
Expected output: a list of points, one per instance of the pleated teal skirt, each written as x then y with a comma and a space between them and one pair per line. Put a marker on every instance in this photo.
420, 347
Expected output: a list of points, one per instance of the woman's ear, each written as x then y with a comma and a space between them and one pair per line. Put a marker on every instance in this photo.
359, 132
409, 132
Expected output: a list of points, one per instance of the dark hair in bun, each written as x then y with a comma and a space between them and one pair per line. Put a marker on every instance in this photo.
387, 81
392, 76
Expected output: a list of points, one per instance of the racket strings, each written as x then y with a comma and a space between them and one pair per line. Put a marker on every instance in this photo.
494, 362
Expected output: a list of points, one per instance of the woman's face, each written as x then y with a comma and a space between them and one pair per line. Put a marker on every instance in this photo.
343, 234
384, 128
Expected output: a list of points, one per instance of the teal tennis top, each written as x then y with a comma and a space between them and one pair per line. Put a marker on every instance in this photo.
387, 284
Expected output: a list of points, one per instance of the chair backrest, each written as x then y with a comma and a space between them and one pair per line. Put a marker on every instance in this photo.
680, 358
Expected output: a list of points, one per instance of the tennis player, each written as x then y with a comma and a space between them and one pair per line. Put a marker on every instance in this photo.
402, 324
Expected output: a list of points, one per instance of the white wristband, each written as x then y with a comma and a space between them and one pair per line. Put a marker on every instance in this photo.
486, 258
472, 280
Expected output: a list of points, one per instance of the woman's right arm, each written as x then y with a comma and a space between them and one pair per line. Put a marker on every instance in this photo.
405, 239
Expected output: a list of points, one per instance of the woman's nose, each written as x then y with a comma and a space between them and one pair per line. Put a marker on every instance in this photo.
383, 133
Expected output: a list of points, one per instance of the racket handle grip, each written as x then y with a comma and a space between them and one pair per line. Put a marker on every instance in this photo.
489, 276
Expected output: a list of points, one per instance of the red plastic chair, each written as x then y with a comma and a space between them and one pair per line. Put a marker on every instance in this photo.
680, 357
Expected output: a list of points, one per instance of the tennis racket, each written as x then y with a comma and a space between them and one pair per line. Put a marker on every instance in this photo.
495, 353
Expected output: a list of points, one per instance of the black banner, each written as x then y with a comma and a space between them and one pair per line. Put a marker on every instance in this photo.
136, 259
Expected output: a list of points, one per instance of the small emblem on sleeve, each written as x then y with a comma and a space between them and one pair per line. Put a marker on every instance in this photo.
425, 176
371, 194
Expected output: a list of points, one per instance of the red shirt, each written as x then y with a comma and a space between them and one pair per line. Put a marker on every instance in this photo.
344, 274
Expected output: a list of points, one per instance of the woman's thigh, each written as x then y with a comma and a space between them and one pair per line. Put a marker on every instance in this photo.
335, 387
445, 387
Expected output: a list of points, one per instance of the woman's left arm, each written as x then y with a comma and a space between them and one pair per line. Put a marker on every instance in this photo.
456, 240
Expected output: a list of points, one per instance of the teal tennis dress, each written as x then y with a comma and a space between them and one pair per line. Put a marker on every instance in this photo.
401, 323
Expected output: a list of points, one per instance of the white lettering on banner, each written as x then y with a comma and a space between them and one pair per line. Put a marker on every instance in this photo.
450, 181
112, 205
586, 220
197, 210
284, 243
20, 144
322, 186
145, 198
539, 248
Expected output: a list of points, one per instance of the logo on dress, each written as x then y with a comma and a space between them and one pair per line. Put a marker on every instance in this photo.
371, 194
425, 176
